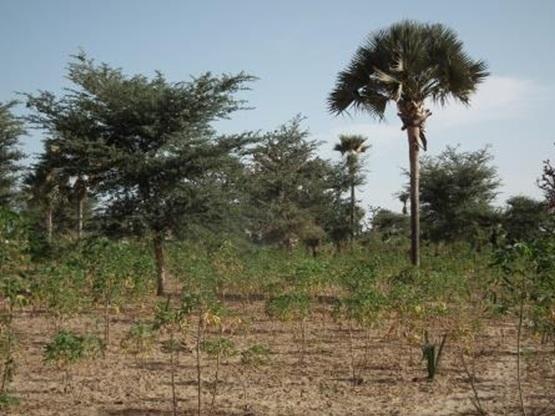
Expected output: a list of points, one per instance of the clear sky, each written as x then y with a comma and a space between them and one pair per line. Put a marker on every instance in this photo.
296, 49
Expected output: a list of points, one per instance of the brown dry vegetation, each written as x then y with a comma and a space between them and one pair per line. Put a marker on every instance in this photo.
393, 375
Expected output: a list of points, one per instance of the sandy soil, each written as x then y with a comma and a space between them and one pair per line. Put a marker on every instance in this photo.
393, 375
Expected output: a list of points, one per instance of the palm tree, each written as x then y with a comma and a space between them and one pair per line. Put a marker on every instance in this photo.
408, 64
403, 197
351, 147
47, 186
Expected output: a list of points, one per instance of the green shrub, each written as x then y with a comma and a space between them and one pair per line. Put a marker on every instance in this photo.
68, 348
255, 356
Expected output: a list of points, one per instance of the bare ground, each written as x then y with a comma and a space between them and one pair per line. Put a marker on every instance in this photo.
392, 374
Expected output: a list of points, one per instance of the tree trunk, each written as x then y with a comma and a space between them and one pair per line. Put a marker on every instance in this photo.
160, 263
413, 133
172, 373
518, 341
49, 222
80, 204
107, 304
199, 367
81, 195
353, 210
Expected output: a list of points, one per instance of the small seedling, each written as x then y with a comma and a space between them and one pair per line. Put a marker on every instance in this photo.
218, 348
61, 292
14, 292
7, 342
139, 341
431, 352
253, 357
108, 265
171, 319
68, 348
226, 265
361, 306
292, 307
7, 400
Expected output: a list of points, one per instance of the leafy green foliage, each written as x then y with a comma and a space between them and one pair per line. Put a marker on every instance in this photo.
408, 61
527, 275
524, 218
255, 356
14, 243
147, 148
547, 183
351, 148
226, 264
8, 342
456, 191
289, 306
139, 340
14, 292
116, 270
362, 302
11, 129
62, 288
221, 346
390, 225
289, 185
7, 400
67, 348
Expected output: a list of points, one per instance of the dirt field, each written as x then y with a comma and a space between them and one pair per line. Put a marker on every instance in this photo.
393, 375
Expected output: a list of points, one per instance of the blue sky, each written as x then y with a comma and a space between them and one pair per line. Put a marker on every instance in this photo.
296, 49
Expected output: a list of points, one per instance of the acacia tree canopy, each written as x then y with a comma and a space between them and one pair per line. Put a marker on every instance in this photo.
289, 185
457, 189
547, 183
149, 145
11, 129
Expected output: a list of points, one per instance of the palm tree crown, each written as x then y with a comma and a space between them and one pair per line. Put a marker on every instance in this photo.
351, 143
407, 64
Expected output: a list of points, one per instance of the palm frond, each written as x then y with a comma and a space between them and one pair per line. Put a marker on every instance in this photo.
351, 143
408, 61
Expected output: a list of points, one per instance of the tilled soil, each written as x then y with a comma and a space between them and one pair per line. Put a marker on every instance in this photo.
391, 377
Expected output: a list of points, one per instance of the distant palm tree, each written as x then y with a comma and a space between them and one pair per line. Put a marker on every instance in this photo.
47, 186
351, 147
407, 64
403, 198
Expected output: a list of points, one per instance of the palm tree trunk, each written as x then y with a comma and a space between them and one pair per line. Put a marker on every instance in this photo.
80, 205
413, 133
81, 195
49, 222
353, 201
160, 259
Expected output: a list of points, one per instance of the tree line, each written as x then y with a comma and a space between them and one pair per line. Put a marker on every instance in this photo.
133, 156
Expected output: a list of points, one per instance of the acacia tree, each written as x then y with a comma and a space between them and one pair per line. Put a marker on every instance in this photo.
390, 224
11, 129
408, 64
288, 184
524, 219
47, 188
457, 189
157, 163
547, 183
337, 213
351, 148
73, 153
